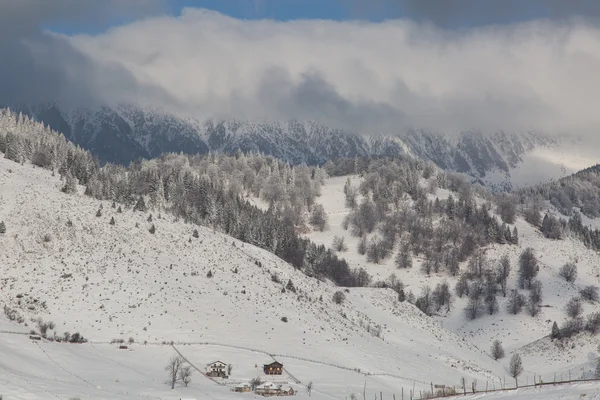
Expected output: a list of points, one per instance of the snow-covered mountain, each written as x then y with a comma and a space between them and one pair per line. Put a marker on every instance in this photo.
504, 160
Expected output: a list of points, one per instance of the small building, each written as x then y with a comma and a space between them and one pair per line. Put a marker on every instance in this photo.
122, 347
288, 392
216, 369
35, 337
275, 368
268, 389
242, 388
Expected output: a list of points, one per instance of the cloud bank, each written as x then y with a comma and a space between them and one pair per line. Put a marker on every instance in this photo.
369, 77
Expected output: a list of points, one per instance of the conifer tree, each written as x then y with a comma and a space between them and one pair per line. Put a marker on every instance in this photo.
140, 205
152, 229
555, 331
112, 220
2, 227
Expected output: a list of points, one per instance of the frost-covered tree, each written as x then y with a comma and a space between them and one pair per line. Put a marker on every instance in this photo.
339, 244
140, 205
574, 308
404, 259
568, 272
70, 185
318, 218
589, 293
516, 302
516, 367
555, 334
502, 273
497, 351
528, 268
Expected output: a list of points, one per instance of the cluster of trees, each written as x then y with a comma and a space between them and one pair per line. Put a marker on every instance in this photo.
482, 282
581, 190
395, 210
178, 371
205, 190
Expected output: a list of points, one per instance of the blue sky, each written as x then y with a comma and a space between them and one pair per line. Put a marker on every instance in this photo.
445, 13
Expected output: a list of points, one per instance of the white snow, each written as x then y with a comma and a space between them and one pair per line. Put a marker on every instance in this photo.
126, 282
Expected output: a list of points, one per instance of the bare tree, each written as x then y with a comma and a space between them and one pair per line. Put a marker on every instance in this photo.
516, 367
309, 388
502, 273
255, 382
497, 350
173, 367
185, 375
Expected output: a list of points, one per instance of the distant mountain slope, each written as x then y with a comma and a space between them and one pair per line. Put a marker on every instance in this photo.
125, 133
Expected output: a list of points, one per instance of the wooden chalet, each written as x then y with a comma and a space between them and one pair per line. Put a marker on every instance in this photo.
268, 389
243, 388
216, 369
275, 368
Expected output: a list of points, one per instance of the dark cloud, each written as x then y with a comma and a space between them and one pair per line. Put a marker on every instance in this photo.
461, 13
38, 66
313, 98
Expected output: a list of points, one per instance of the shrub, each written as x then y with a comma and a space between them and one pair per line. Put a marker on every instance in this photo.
284, 319
589, 293
568, 272
209, 274
339, 297
275, 278
574, 307
196, 234
47, 238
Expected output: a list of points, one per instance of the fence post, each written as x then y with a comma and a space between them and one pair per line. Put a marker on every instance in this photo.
486, 386
431, 388
402, 392
380, 395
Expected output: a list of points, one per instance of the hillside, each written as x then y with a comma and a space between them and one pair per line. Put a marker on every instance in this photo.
119, 281
519, 333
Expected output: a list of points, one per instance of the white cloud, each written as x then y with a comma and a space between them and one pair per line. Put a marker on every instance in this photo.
537, 75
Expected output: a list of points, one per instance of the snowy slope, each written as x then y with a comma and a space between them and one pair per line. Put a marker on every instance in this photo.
119, 281
521, 333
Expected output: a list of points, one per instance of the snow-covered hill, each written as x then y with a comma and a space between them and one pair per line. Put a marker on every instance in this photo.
63, 261
518, 333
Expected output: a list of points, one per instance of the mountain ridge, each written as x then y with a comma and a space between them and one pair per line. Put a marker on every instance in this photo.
125, 133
